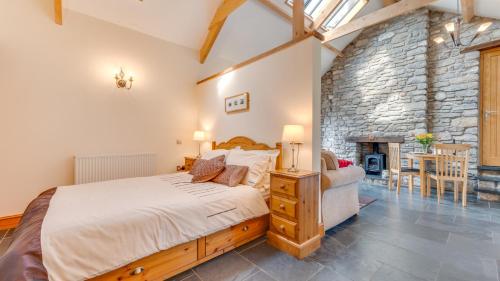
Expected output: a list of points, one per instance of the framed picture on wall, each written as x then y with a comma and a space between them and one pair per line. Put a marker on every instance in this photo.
238, 103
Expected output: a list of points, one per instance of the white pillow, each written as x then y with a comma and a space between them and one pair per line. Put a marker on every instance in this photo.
257, 164
266, 179
272, 153
214, 153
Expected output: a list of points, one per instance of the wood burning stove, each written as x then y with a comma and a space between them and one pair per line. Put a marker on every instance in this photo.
375, 162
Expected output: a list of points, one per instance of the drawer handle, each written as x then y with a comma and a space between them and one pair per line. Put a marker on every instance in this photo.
282, 228
245, 228
282, 206
282, 186
137, 271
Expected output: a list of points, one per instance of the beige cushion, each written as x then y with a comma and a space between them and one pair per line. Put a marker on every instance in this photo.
332, 163
206, 170
325, 180
232, 175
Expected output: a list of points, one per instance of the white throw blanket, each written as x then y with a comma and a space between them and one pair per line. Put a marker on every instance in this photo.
95, 228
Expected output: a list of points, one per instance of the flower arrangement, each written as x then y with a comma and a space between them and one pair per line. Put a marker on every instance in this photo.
425, 140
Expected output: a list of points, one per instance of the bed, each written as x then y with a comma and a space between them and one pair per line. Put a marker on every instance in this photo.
142, 233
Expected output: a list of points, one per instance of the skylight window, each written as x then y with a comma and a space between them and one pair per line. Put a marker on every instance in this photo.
311, 7
343, 13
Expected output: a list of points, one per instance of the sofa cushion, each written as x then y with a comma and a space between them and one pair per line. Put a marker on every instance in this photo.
325, 180
331, 160
345, 163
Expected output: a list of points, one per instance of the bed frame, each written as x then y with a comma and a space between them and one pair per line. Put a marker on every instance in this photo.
173, 261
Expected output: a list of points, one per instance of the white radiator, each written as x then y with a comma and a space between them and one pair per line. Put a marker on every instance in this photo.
110, 167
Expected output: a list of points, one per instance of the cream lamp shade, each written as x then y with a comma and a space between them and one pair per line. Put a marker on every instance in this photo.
293, 134
199, 136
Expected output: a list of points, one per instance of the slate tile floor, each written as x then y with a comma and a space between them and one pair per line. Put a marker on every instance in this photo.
395, 238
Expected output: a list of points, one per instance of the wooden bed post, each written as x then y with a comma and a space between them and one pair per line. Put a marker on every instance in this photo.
214, 145
279, 160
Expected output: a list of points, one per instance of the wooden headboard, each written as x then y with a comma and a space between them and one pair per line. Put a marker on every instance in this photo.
249, 144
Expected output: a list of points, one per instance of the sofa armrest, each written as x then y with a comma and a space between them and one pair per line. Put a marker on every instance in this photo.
345, 176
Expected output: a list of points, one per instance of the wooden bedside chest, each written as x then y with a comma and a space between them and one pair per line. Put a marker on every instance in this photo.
188, 163
294, 226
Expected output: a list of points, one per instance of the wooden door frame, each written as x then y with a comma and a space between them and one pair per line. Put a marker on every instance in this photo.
481, 72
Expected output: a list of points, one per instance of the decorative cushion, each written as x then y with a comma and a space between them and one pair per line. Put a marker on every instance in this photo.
206, 170
257, 165
232, 175
331, 160
345, 163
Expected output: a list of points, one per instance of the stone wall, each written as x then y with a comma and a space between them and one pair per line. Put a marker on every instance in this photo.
453, 97
394, 80
379, 87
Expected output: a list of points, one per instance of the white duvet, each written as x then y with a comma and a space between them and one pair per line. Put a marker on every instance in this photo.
94, 228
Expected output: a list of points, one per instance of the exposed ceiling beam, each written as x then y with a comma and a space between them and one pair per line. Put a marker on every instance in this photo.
224, 10
323, 15
376, 17
212, 35
58, 13
333, 49
467, 9
298, 19
482, 46
280, 12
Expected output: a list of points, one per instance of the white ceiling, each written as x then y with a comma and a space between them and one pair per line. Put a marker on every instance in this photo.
250, 30
484, 8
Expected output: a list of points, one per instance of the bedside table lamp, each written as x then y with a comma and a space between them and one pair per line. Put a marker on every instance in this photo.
294, 134
199, 136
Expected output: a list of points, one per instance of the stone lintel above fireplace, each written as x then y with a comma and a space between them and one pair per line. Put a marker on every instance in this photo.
374, 139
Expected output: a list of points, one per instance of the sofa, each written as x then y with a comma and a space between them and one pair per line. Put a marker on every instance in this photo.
339, 187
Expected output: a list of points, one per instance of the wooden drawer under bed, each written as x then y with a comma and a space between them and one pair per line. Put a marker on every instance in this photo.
235, 236
170, 262
155, 266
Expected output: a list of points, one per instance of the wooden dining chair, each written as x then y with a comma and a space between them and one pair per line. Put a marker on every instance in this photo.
452, 164
395, 168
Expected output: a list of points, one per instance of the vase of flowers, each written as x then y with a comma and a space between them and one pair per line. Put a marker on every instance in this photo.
425, 140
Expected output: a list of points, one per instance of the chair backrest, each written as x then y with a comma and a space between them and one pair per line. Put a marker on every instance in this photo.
452, 160
452, 167
452, 149
394, 156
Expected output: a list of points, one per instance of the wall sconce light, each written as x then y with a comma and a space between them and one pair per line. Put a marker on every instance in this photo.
121, 82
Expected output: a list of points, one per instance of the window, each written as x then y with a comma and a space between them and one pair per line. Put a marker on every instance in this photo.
342, 14
311, 7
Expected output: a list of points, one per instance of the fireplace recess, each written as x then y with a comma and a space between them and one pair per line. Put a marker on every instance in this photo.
371, 153
375, 163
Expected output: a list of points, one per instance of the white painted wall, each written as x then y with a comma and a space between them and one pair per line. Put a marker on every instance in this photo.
58, 97
284, 89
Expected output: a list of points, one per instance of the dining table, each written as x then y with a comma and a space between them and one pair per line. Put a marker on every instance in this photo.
422, 158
